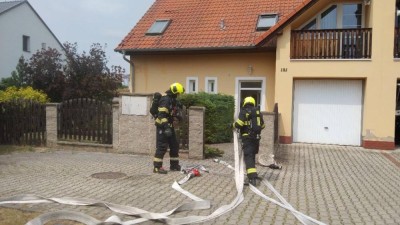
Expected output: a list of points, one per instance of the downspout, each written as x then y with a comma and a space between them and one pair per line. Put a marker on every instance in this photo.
132, 72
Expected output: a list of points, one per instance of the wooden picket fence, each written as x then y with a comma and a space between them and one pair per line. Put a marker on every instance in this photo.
85, 120
22, 122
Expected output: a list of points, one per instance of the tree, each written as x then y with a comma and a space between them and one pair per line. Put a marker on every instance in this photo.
74, 75
87, 75
18, 77
45, 73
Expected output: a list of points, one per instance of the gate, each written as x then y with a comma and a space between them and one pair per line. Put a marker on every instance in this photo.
22, 122
182, 130
85, 120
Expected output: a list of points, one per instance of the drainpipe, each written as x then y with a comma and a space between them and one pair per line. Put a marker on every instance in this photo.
132, 72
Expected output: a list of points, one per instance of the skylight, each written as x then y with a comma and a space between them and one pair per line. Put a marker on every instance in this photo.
158, 27
266, 21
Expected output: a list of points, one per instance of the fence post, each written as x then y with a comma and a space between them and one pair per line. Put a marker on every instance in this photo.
51, 124
115, 125
196, 132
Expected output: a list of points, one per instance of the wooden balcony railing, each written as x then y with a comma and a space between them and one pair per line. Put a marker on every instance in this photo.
331, 44
397, 42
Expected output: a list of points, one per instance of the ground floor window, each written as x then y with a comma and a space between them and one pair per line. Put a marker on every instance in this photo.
192, 85
211, 85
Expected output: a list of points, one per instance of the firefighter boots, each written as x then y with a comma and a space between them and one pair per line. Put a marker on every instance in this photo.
159, 170
253, 181
175, 167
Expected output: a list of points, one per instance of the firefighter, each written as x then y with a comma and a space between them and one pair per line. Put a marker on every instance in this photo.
250, 123
168, 109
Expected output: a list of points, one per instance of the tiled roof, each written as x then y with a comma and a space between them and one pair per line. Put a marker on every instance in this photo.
4, 6
196, 24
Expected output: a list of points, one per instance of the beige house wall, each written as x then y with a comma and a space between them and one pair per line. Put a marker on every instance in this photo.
379, 73
156, 72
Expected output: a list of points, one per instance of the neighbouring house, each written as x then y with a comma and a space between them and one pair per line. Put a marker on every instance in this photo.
332, 66
23, 33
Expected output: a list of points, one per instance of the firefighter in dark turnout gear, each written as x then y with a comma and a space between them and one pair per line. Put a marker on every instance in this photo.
165, 137
250, 122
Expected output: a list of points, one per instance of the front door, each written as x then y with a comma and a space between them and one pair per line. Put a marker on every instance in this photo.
253, 88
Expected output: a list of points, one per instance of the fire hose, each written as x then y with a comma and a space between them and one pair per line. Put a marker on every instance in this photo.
144, 215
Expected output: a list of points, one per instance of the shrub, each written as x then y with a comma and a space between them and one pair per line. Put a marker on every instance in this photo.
27, 93
218, 115
211, 152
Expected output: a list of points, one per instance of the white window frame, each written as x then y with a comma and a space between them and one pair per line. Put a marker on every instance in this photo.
339, 16
206, 87
189, 81
263, 91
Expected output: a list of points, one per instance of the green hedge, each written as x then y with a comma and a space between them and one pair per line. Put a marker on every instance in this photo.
218, 116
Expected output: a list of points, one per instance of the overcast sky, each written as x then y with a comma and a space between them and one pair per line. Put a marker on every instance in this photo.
92, 21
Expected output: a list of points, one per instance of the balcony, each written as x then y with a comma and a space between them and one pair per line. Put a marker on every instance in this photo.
397, 42
331, 44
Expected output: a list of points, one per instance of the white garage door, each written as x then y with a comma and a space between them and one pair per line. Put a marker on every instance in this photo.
327, 111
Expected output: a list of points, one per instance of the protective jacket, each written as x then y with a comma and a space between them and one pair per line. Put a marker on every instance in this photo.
250, 122
167, 110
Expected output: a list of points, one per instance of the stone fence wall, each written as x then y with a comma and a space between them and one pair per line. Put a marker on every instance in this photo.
134, 131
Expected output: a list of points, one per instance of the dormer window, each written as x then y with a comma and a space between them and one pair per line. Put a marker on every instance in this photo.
158, 27
266, 21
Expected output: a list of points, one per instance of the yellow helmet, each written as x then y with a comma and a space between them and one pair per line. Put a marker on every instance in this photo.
177, 88
249, 100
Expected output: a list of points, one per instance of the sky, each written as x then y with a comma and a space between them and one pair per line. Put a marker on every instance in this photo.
92, 21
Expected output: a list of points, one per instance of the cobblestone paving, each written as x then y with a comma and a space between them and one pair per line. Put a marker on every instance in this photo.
334, 184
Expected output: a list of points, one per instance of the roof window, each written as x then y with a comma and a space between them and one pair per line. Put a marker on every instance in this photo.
158, 27
266, 21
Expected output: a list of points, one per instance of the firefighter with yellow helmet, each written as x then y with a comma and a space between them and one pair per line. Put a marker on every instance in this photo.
165, 137
250, 123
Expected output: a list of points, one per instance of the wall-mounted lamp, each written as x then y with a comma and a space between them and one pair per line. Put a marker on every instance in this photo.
249, 69
367, 2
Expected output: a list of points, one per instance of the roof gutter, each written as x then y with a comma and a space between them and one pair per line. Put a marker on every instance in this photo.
131, 72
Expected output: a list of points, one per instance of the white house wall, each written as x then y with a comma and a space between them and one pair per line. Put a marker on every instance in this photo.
15, 23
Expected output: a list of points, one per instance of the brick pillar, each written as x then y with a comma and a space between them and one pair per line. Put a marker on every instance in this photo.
267, 135
196, 132
51, 124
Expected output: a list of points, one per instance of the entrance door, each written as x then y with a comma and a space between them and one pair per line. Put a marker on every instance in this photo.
250, 88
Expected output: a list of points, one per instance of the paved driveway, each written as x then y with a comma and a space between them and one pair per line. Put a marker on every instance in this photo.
333, 184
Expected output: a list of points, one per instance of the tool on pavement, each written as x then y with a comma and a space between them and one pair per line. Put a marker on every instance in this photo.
194, 172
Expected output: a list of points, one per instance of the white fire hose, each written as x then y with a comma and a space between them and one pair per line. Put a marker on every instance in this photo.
144, 215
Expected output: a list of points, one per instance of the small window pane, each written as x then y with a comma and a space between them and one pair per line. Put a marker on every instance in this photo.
25, 43
211, 86
328, 18
352, 15
266, 21
250, 84
158, 27
311, 25
192, 86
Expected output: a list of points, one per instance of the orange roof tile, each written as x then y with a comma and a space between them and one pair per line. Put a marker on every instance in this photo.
196, 24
